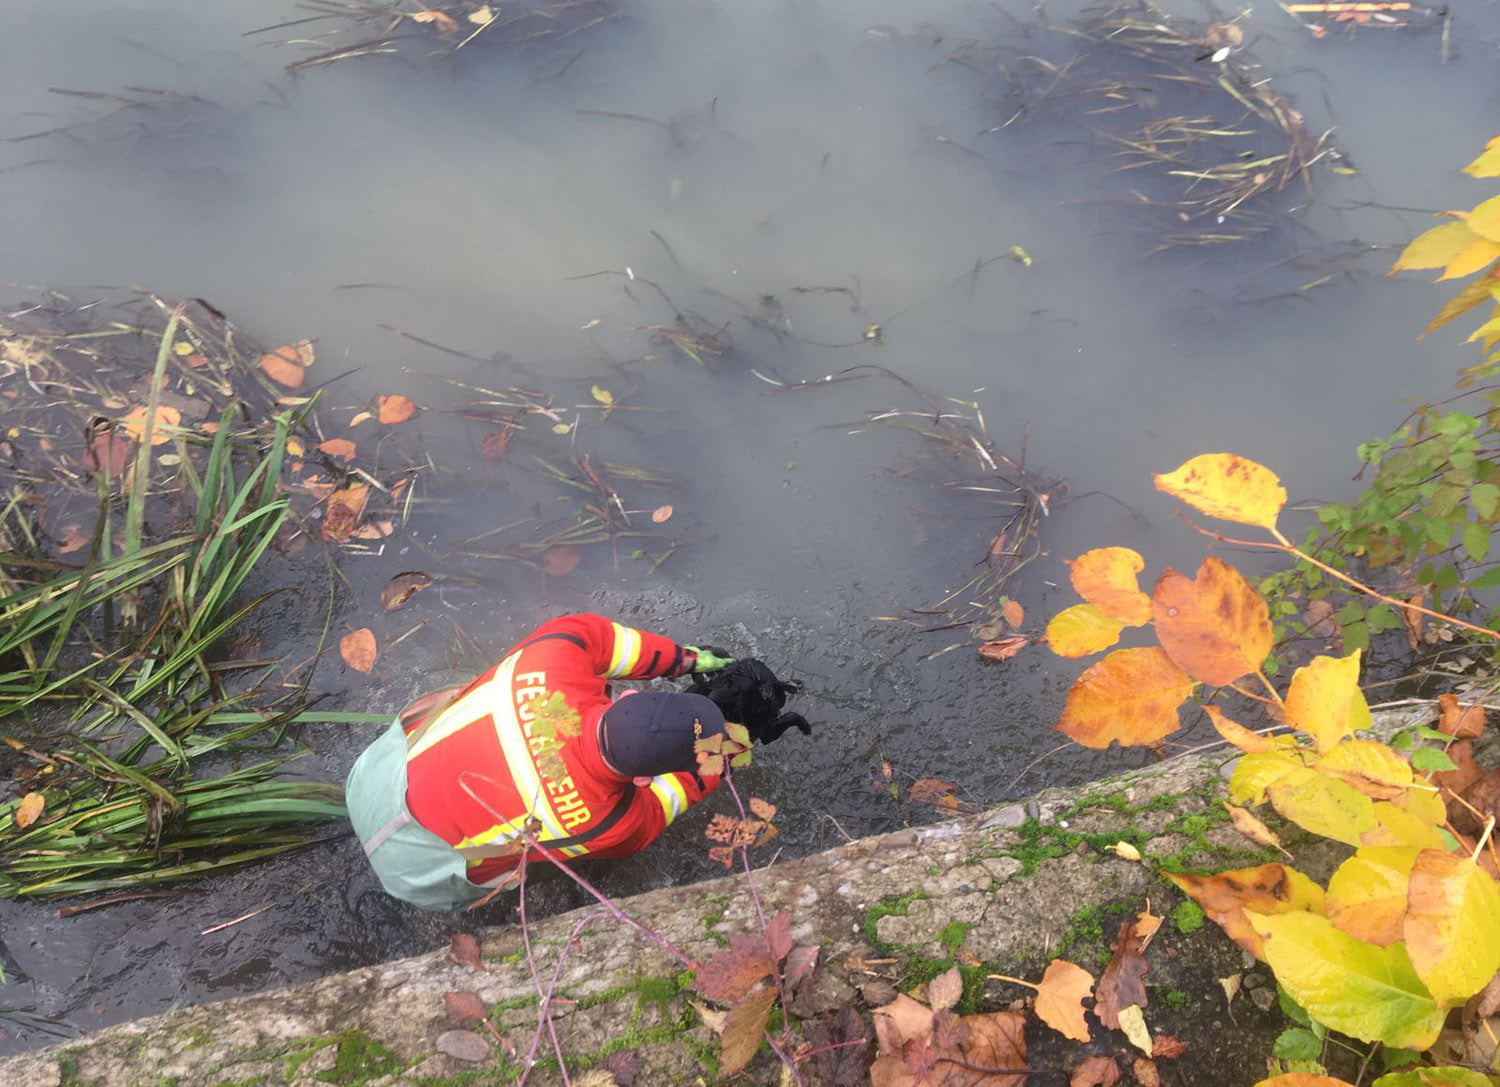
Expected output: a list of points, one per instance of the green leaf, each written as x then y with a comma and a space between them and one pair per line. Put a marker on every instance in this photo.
1434, 1077
1356, 636
1291, 1009
1297, 1044
1431, 758
1476, 539
1390, 1057
1369, 993
1485, 497
1487, 580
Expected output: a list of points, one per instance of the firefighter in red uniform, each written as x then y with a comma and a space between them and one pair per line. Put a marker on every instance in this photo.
534, 746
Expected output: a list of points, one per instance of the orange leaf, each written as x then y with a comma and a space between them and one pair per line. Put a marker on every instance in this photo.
29, 810
1227, 486
1237, 734
1004, 649
1060, 996
560, 559
1014, 614
284, 366
1216, 626
358, 649
109, 452
1268, 889
1081, 630
661, 514
1095, 1071
443, 21
1451, 906
1461, 722
1131, 696
395, 409
1106, 578
1247, 824
134, 424
342, 448
1303, 1079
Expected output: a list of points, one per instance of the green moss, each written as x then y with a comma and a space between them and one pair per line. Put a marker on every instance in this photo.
196, 1038
1200, 854
953, 934
718, 906
1188, 917
359, 1059
656, 990
1176, 999
67, 1068
1087, 928
1040, 842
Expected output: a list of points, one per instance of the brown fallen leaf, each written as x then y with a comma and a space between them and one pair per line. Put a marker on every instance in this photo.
29, 810
402, 588
945, 990
444, 22
1004, 649
345, 508
1166, 1047
463, 949
1413, 620
1146, 1074
1461, 722
661, 514
1122, 984
358, 649
395, 409
928, 790
74, 539
342, 448
109, 452
375, 530
561, 559
1095, 1072
494, 445
284, 366
1014, 614
464, 1007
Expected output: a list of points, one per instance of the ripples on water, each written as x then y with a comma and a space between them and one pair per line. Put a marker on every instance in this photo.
797, 145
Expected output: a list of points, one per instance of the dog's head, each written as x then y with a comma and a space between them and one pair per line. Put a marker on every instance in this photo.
746, 692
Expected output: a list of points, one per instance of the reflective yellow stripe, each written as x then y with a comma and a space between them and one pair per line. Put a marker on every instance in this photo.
671, 794
487, 698
627, 651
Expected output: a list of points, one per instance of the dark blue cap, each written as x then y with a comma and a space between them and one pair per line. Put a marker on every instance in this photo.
653, 732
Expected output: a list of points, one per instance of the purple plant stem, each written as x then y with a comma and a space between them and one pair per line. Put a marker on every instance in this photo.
544, 1016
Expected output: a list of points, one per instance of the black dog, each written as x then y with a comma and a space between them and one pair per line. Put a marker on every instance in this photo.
749, 693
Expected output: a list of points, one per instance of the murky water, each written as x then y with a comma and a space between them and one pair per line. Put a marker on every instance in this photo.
488, 202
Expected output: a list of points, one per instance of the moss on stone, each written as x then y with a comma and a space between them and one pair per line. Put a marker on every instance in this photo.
359, 1059
952, 935
890, 904
718, 906
1188, 916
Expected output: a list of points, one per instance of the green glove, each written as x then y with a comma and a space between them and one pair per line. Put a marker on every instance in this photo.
708, 658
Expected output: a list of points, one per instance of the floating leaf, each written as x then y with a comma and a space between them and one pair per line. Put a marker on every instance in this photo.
402, 588
1131, 697
1215, 626
342, 448
1367, 895
1081, 630
345, 507
1004, 649
134, 424
284, 366
444, 22
1451, 928
29, 810
1227, 486
394, 409
74, 539
744, 1026
1106, 578
358, 649
494, 445
1268, 889
482, 16
1060, 996
109, 452
1324, 700
1013, 613
661, 514
360, 417
560, 559
1371, 993
603, 396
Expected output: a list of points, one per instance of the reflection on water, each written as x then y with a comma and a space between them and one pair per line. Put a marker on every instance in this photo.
783, 176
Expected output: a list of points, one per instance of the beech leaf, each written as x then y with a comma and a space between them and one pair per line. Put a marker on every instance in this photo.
1215, 625
1131, 696
1224, 485
1060, 996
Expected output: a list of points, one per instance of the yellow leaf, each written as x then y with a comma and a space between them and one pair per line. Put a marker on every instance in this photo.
1435, 248
1106, 578
1131, 696
1258, 771
1395, 825
182, 348
444, 22
1060, 996
1487, 164
1227, 486
1267, 889
1125, 851
1302, 1079
1215, 625
1133, 1024
1461, 303
1237, 734
603, 395
1324, 700
1370, 767
1371, 993
1081, 630
1484, 220
1451, 930
29, 810
1367, 895
294, 446
1323, 805
561, 428
1474, 257
1247, 824
482, 16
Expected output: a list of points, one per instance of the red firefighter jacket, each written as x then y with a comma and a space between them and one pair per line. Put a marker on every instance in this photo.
522, 741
